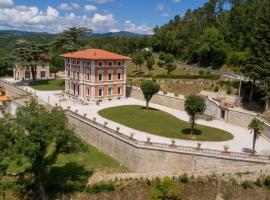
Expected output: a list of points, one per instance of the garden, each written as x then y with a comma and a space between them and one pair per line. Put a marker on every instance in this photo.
160, 123
48, 85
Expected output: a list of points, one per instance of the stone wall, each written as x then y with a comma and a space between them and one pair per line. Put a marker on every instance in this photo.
239, 118
10, 90
162, 99
146, 158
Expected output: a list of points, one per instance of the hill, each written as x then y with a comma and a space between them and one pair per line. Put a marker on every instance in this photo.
109, 34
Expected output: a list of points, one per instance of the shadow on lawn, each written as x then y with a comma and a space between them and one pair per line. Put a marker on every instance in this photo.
149, 109
186, 131
68, 178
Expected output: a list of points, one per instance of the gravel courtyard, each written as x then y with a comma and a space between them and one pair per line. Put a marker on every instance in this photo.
242, 141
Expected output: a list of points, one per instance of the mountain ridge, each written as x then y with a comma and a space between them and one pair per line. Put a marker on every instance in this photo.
90, 34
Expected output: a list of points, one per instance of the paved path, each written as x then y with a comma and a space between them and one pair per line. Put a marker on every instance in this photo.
242, 141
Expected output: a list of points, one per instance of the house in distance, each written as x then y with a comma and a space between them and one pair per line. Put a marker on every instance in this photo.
95, 75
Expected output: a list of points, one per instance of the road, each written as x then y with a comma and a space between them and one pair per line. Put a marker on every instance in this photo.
229, 75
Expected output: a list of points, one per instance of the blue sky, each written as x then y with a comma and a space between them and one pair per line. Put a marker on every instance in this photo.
100, 15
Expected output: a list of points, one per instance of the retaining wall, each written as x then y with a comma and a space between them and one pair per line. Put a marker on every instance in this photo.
11, 90
143, 157
162, 99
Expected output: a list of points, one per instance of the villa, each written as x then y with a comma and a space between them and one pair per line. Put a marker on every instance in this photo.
95, 75
24, 73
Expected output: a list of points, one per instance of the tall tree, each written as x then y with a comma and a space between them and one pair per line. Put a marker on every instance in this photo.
149, 88
42, 135
30, 57
138, 59
194, 106
258, 64
150, 63
256, 126
70, 40
8, 138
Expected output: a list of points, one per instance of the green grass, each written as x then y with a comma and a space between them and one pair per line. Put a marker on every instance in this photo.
161, 123
49, 85
69, 174
91, 159
131, 70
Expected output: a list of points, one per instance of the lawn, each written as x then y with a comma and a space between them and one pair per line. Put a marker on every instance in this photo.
160, 123
90, 159
69, 174
49, 85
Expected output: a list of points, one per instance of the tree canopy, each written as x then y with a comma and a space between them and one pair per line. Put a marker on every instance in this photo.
149, 88
194, 105
38, 136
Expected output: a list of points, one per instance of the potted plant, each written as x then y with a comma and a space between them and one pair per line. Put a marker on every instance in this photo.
173, 143
148, 140
199, 145
226, 148
117, 129
94, 119
105, 124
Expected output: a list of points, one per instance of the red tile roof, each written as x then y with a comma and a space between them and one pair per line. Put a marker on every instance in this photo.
4, 98
95, 54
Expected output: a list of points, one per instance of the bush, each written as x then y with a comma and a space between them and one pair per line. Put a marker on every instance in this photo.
258, 183
201, 72
216, 89
267, 181
97, 188
166, 188
247, 185
184, 178
229, 90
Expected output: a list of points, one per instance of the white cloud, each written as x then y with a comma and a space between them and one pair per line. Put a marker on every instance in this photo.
90, 8
162, 9
6, 3
114, 30
68, 7
50, 20
103, 23
101, 1
141, 29
176, 1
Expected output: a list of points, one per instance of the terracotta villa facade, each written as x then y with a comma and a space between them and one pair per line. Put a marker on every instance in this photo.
95, 75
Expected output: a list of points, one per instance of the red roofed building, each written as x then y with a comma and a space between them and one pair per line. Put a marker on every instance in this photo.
95, 74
